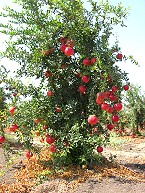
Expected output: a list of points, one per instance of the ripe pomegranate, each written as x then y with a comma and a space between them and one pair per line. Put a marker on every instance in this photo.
114, 88
108, 78
119, 56
118, 106
110, 110
13, 127
86, 61
2, 139
29, 154
101, 96
49, 93
112, 97
61, 39
110, 126
52, 148
58, 110
126, 87
50, 139
14, 94
82, 89
132, 135
62, 47
99, 149
104, 106
107, 94
92, 120
12, 110
85, 79
78, 74
68, 51
92, 61
120, 131
99, 102
115, 118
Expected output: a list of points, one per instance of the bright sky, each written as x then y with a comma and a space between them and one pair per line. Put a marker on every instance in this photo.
132, 39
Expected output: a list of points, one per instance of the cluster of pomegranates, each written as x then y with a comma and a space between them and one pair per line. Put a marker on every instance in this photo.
106, 106
66, 46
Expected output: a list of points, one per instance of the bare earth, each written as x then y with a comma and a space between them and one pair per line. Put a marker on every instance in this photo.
130, 153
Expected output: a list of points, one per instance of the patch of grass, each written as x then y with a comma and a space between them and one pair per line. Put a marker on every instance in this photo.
11, 149
12, 138
2, 172
116, 141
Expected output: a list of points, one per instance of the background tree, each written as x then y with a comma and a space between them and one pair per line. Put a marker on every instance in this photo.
135, 108
65, 50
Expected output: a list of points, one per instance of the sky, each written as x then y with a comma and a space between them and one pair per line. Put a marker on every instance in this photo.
131, 38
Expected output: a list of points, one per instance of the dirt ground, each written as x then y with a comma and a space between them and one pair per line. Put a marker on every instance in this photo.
129, 153
110, 185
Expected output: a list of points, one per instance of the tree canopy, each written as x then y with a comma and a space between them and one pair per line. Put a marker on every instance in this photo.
66, 47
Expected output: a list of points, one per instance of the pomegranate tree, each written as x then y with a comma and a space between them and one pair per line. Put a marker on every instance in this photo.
74, 82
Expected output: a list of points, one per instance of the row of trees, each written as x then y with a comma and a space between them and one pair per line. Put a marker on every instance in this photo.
65, 50
134, 109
